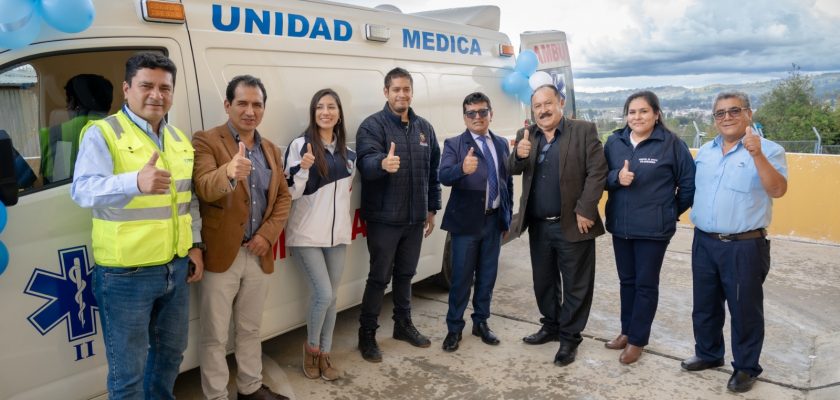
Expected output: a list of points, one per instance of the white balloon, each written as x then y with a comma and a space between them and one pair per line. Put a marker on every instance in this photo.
540, 78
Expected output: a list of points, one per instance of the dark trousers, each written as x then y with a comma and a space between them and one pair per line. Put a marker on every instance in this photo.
638, 262
564, 279
473, 256
732, 272
394, 252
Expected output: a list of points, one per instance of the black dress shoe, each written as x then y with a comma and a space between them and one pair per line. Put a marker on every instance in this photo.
450, 344
740, 382
566, 354
542, 336
487, 336
698, 364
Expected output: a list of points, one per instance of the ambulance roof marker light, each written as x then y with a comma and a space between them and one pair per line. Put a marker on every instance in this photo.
377, 33
163, 11
506, 50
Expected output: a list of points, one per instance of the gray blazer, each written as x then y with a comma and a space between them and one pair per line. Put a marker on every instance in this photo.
583, 172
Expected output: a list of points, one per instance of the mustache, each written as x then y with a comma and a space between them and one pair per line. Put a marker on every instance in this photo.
545, 114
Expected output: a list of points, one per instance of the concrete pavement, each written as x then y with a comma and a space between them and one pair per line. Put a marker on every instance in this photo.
801, 356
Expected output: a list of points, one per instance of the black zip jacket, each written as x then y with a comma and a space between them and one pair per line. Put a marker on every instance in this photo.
406, 196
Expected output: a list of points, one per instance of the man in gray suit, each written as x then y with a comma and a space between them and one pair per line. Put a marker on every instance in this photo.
562, 181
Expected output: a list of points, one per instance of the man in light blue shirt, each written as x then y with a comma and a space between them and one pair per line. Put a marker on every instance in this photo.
738, 175
143, 301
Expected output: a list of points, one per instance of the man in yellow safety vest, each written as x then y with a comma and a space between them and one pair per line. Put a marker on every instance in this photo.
134, 171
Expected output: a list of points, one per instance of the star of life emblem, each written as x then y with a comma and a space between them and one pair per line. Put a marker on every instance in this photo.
69, 295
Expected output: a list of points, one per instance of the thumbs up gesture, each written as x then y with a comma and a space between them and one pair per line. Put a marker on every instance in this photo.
752, 142
391, 162
308, 158
239, 167
470, 162
151, 180
625, 176
523, 148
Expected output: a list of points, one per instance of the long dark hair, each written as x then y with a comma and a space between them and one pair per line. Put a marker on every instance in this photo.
652, 101
313, 137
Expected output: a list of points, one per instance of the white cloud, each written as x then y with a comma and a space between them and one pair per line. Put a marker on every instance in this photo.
677, 38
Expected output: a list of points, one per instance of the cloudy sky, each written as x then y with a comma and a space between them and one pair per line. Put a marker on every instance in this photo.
639, 43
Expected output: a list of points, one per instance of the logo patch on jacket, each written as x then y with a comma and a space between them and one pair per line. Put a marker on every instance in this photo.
646, 160
423, 141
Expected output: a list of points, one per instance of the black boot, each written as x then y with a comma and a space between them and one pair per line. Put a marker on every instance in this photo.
405, 330
367, 345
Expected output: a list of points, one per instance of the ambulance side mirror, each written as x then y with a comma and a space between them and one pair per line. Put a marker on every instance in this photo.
8, 179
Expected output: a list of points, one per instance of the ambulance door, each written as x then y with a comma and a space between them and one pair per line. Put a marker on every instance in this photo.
52, 342
553, 55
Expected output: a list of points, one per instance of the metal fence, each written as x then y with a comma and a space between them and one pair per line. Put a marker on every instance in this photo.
831, 149
791, 146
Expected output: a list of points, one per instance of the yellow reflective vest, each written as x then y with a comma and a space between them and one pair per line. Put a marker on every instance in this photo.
152, 228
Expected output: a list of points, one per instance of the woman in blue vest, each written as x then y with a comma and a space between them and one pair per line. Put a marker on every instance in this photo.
319, 170
650, 183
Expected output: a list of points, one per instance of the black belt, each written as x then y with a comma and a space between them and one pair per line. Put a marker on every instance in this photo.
491, 211
548, 219
731, 237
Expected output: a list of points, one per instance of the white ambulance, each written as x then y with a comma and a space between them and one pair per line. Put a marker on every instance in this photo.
50, 341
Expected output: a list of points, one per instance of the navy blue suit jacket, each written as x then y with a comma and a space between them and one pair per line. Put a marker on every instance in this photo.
468, 199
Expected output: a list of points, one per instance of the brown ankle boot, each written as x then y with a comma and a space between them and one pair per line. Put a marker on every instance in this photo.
310, 363
630, 354
328, 371
618, 343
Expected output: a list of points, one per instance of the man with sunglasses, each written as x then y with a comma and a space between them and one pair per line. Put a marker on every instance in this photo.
738, 175
477, 213
563, 179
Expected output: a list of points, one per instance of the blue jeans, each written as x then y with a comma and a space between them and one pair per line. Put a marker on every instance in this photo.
323, 267
474, 258
145, 318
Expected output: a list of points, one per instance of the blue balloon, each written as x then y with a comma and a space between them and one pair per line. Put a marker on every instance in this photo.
524, 95
513, 83
4, 258
527, 62
19, 33
14, 10
70, 16
3, 217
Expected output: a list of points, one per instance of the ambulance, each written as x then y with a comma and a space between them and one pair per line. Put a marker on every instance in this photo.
51, 341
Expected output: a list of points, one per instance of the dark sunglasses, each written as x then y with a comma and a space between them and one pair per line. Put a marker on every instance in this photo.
480, 113
733, 112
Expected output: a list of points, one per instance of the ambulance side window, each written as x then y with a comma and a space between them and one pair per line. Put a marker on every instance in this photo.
46, 103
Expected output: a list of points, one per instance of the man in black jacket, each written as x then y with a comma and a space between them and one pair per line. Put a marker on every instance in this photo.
398, 157
563, 174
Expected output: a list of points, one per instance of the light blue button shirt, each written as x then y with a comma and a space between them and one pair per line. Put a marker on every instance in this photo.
96, 186
492, 146
729, 197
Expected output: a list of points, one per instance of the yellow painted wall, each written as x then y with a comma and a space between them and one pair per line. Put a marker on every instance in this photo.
811, 207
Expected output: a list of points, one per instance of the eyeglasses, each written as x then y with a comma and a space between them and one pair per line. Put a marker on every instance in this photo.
733, 112
472, 114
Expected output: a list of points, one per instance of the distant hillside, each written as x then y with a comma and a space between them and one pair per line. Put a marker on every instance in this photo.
827, 87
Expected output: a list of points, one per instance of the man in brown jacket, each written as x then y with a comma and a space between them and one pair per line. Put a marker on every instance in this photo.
563, 179
244, 203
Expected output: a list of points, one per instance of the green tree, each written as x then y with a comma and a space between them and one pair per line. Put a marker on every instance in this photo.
790, 110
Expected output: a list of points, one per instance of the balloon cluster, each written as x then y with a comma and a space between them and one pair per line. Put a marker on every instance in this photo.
4, 252
524, 78
20, 20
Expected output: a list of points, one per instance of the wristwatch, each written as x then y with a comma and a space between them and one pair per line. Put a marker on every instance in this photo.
199, 245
